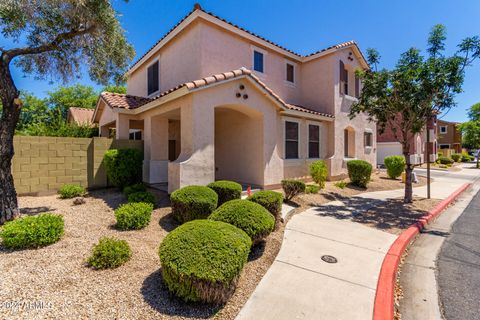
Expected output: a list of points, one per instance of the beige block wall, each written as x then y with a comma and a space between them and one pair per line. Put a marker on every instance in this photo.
41, 165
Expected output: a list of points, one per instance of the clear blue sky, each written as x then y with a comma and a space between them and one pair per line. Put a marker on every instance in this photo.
389, 26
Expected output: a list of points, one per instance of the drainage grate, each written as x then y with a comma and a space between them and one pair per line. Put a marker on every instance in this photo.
329, 259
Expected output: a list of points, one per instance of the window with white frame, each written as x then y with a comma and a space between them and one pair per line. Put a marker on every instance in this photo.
444, 146
135, 134
291, 140
443, 129
313, 141
258, 61
368, 139
153, 79
290, 72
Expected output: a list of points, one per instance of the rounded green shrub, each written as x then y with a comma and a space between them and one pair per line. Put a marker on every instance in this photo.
32, 231
251, 217
359, 172
319, 172
202, 260
142, 196
68, 191
124, 166
109, 253
292, 188
270, 200
395, 166
133, 216
457, 157
137, 187
312, 188
226, 190
445, 160
193, 202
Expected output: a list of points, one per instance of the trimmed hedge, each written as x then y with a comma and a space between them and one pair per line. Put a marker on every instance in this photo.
32, 231
395, 166
202, 260
68, 191
251, 217
292, 188
137, 187
270, 200
359, 172
457, 157
226, 190
109, 253
133, 216
319, 172
142, 196
193, 202
444, 160
124, 166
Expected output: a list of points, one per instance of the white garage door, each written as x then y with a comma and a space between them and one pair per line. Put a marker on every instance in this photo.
385, 149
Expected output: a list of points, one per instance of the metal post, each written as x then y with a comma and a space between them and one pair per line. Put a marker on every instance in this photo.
428, 160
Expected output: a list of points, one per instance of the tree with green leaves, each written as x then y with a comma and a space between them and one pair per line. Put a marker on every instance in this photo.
55, 38
78, 95
417, 89
471, 130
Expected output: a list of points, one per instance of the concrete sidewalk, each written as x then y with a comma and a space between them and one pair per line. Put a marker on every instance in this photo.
300, 285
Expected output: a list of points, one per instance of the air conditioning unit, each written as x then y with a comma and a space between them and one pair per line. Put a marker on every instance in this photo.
415, 159
433, 157
422, 158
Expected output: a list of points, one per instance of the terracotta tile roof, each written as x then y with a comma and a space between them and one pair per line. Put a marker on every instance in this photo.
124, 101
198, 7
80, 115
117, 100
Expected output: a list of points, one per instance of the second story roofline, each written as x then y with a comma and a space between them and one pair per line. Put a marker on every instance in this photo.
199, 13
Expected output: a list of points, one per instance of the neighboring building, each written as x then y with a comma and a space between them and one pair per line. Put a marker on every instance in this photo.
449, 136
80, 116
388, 145
257, 114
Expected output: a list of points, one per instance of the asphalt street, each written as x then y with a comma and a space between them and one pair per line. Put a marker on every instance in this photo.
459, 266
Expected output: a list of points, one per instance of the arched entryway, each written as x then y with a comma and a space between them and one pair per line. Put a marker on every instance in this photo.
239, 145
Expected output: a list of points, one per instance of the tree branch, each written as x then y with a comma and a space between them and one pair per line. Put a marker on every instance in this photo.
12, 53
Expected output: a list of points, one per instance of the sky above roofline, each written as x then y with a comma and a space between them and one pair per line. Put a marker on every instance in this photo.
307, 26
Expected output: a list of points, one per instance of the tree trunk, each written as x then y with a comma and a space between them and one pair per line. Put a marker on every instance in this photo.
408, 198
10, 113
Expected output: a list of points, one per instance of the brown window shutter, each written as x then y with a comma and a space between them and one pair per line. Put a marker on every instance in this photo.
342, 77
357, 87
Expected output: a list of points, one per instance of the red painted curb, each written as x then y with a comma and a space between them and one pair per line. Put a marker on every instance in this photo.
383, 306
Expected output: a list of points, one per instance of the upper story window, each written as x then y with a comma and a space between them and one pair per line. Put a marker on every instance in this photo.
357, 87
258, 61
153, 82
313, 141
290, 72
291, 140
443, 129
343, 79
368, 139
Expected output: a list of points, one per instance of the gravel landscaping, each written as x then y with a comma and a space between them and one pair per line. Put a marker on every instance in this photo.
54, 282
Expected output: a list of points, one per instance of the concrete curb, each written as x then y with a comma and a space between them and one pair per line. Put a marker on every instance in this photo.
383, 308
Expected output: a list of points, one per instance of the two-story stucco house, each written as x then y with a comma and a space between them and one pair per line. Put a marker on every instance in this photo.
215, 101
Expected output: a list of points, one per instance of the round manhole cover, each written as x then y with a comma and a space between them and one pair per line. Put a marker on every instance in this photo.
329, 259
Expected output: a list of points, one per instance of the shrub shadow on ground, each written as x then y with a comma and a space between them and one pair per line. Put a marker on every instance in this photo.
113, 197
156, 294
257, 251
32, 211
168, 222
381, 214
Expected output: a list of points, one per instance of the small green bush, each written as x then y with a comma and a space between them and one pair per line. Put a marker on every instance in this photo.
133, 216
312, 188
68, 191
109, 253
359, 172
467, 158
202, 260
270, 200
341, 184
251, 217
193, 202
124, 166
395, 166
137, 187
319, 172
292, 188
142, 196
226, 190
457, 157
445, 160
32, 231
